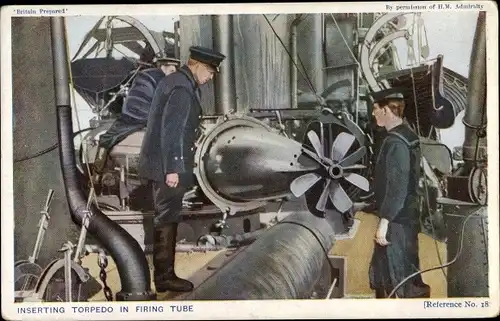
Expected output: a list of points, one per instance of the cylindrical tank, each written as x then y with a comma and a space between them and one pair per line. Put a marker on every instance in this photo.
311, 52
468, 275
285, 262
261, 62
261, 73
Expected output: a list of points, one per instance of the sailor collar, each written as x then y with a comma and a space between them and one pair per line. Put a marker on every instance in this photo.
187, 72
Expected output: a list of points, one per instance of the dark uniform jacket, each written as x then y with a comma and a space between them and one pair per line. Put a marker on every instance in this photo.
141, 93
397, 173
135, 110
172, 128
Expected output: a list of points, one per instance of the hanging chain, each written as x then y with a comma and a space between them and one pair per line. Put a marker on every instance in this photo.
103, 264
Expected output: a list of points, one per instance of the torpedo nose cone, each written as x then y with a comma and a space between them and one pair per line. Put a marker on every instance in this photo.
246, 164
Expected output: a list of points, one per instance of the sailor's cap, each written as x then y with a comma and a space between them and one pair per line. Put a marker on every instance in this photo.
207, 56
386, 94
167, 61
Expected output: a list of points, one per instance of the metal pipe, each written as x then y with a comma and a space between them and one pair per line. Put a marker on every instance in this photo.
317, 51
230, 240
476, 95
188, 248
293, 51
124, 249
285, 262
225, 87
177, 47
59, 57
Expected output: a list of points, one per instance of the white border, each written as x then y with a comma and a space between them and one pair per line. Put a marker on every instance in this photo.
346, 308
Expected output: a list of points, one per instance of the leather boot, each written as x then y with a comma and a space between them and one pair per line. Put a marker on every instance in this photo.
380, 293
164, 261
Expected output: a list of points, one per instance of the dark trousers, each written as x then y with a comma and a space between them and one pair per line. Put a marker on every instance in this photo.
393, 263
167, 203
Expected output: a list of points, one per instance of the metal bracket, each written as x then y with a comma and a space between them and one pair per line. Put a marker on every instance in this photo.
48, 274
478, 185
43, 224
68, 250
222, 224
85, 225
365, 48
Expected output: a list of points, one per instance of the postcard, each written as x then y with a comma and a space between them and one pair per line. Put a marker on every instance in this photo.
250, 161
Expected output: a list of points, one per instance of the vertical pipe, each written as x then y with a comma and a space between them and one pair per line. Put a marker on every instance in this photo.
61, 68
357, 74
177, 51
318, 77
225, 88
476, 96
293, 62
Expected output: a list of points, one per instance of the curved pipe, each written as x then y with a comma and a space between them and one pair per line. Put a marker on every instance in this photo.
127, 19
285, 262
365, 49
124, 249
476, 95
145, 32
387, 39
87, 38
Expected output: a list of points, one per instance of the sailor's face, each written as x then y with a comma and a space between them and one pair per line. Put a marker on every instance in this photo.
379, 113
204, 74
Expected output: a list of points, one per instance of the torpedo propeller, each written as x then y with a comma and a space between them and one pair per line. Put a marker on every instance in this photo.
338, 167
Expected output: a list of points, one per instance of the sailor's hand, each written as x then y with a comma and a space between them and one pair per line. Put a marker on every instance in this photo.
172, 179
381, 234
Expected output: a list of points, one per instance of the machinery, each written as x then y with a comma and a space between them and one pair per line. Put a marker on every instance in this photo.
223, 192
317, 151
125, 198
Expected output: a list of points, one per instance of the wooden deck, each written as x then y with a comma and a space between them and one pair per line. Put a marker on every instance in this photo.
358, 252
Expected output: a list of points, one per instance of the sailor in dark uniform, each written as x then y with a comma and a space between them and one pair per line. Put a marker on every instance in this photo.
167, 156
397, 172
135, 110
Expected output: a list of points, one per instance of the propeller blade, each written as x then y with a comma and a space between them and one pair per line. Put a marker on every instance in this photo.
314, 139
354, 157
339, 198
323, 198
341, 146
307, 162
301, 184
358, 181
312, 155
355, 166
